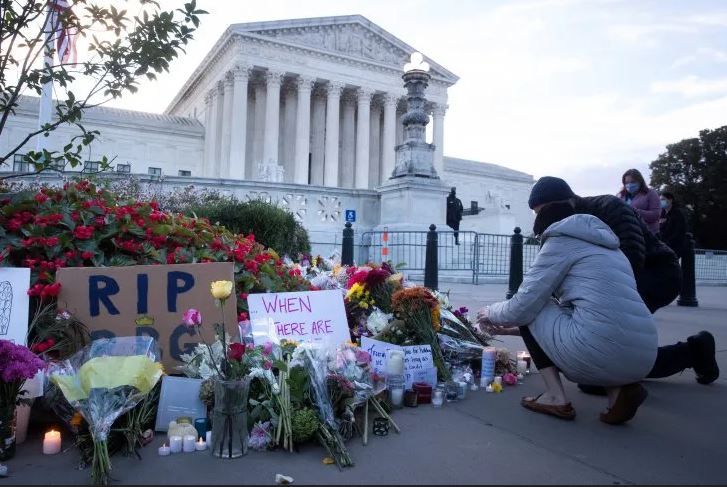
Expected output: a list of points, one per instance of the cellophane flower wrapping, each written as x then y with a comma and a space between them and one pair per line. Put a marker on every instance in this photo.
354, 365
103, 381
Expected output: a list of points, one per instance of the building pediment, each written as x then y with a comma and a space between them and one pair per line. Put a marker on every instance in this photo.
352, 36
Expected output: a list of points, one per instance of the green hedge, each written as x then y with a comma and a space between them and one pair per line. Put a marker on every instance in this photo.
271, 225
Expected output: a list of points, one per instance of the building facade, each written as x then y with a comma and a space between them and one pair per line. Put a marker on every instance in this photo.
303, 112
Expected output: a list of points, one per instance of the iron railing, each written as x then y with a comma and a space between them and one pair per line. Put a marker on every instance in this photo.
710, 265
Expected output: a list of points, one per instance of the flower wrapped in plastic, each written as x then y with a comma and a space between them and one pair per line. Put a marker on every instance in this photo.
103, 381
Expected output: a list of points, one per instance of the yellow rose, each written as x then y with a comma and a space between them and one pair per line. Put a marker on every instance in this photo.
221, 289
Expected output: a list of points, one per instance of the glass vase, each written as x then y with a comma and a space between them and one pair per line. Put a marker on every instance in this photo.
7, 431
229, 419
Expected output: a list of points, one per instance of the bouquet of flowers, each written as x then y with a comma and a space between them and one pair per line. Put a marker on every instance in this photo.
105, 380
17, 364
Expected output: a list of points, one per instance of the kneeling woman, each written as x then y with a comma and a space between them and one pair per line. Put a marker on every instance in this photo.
579, 313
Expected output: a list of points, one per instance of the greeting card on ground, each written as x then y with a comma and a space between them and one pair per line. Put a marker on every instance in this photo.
179, 397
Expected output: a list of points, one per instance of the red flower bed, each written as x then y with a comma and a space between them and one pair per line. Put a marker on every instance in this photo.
81, 225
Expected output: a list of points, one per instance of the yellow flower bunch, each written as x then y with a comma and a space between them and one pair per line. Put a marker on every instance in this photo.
437, 319
221, 289
360, 295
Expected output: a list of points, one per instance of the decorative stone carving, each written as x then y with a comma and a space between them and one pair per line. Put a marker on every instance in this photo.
297, 204
350, 39
438, 109
334, 88
259, 196
390, 100
305, 82
242, 72
364, 95
274, 77
329, 208
220, 87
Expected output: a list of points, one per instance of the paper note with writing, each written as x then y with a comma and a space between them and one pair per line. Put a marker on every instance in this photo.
428, 376
417, 358
14, 304
314, 316
179, 397
379, 353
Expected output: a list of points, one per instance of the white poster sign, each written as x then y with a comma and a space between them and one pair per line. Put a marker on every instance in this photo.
379, 353
418, 365
14, 304
312, 316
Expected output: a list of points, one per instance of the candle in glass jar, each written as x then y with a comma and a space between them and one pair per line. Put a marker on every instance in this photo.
201, 445
164, 450
188, 444
175, 444
525, 356
522, 366
498, 380
208, 437
397, 397
395, 362
52, 442
437, 398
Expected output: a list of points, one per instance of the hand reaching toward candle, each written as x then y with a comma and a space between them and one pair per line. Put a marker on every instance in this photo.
483, 321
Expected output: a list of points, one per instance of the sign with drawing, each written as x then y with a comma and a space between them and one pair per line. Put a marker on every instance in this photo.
14, 304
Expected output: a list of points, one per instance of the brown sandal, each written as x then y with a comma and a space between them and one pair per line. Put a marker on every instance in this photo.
630, 397
562, 411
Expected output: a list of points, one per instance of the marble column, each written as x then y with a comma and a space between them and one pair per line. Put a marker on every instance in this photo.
348, 146
259, 137
375, 146
438, 112
224, 171
288, 136
363, 124
399, 128
388, 144
210, 132
220, 122
302, 129
318, 129
272, 117
333, 116
238, 123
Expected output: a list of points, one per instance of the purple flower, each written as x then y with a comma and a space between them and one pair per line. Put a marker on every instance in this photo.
267, 348
267, 365
192, 318
260, 436
363, 357
17, 362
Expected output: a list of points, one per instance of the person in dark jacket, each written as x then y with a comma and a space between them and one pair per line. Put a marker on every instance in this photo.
656, 270
673, 224
454, 213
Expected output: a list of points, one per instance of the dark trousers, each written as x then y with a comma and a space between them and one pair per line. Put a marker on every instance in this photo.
538, 356
454, 226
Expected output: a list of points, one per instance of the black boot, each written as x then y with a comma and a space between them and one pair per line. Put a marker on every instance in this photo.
702, 350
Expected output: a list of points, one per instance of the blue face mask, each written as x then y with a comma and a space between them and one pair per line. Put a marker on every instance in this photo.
632, 188
664, 203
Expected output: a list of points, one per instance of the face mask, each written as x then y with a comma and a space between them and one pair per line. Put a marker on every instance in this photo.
632, 187
664, 204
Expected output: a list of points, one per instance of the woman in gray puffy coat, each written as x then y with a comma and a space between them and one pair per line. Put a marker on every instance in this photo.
580, 314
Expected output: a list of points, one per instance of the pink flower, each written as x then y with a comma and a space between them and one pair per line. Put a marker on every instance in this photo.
267, 348
363, 357
192, 317
509, 379
267, 365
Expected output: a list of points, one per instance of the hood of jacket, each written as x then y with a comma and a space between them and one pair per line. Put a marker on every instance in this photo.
583, 227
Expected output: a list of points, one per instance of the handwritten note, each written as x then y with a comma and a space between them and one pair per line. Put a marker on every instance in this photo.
316, 316
418, 364
379, 353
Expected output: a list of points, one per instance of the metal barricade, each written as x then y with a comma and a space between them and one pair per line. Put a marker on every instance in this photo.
710, 265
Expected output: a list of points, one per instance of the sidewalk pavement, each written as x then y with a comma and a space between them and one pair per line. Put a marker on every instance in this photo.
677, 436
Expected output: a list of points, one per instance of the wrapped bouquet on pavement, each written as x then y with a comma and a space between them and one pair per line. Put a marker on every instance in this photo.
103, 381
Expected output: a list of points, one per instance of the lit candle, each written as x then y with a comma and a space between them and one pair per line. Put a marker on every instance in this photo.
164, 450
201, 445
437, 398
490, 388
208, 438
52, 442
524, 356
175, 444
498, 380
188, 444
520, 378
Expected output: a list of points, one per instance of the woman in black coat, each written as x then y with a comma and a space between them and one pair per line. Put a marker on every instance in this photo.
673, 224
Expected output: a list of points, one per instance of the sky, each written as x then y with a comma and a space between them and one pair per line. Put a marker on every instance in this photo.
581, 89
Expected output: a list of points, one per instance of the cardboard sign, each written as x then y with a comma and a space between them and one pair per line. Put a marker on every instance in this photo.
179, 397
313, 316
379, 352
148, 301
14, 304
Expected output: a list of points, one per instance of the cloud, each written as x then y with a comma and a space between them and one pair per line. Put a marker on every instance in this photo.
647, 34
707, 54
691, 86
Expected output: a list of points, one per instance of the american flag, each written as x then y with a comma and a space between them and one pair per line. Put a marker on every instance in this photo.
66, 37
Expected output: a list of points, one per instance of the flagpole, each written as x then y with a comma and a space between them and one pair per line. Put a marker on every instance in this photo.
45, 110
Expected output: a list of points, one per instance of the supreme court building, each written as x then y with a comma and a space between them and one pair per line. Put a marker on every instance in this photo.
306, 113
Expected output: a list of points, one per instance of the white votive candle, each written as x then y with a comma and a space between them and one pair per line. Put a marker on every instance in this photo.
201, 445
490, 388
175, 444
208, 438
52, 442
522, 366
397, 397
164, 450
498, 380
188, 444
